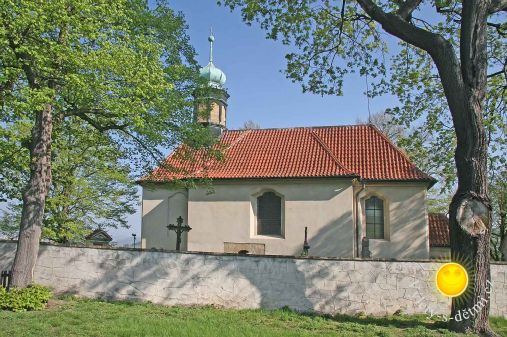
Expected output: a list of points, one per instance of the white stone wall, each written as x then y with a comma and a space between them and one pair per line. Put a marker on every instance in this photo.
322, 285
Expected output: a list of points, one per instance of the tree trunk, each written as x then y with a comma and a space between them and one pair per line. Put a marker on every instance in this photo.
503, 235
470, 210
470, 221
34, 198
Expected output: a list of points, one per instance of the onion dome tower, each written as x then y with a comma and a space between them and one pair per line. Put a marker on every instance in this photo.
211, 98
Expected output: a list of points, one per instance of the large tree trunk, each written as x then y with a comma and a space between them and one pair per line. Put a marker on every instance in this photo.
34, 198
470, 210
470, 220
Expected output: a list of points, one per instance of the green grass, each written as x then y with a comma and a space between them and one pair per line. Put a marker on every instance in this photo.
95, 318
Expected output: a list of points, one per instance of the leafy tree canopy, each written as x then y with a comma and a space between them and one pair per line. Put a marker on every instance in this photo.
118, 76
333, 39
91, 186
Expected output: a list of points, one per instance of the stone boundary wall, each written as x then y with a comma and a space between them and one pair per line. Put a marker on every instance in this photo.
304, 284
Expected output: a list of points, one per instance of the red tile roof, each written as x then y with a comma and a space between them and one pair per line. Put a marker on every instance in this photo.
337, 151
439, 230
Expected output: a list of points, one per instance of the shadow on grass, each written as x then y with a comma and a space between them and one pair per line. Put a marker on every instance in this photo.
393, 321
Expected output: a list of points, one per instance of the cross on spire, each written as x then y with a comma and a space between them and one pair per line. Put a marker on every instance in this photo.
211, 39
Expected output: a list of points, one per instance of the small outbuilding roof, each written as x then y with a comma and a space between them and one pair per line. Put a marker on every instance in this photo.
360, 151
99, 235
439, 230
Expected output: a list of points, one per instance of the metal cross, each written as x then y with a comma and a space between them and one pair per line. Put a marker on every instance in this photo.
179, 229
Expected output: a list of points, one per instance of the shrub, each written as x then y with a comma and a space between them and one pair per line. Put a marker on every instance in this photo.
33, 297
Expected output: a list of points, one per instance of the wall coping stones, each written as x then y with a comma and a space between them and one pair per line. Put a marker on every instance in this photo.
292, 257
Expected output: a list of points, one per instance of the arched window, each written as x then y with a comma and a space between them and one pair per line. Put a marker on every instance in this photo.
269, 214
374, 207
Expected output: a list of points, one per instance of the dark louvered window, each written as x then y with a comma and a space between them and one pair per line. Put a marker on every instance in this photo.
374, 218
269, 214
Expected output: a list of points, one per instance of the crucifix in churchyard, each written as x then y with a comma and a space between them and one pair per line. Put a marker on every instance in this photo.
179, 229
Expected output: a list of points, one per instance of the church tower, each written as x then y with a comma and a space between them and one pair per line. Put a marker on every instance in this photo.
211, 99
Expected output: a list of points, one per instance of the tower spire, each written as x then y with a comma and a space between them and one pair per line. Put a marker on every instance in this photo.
211, 39
211, 98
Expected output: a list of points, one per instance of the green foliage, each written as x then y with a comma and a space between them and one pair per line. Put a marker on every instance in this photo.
119, 75
120, 67
9, 222
34, 297
90, 187
331, 41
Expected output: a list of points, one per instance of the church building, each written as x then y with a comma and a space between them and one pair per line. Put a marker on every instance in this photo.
355, 192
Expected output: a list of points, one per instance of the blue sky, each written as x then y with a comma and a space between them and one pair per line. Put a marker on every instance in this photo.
259, 90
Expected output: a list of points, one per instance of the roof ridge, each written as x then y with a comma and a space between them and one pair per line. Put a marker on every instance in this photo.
302, 127
329, 152
243, 134
438, 214
398, 149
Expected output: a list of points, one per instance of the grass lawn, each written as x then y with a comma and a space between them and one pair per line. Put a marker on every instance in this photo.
71, 318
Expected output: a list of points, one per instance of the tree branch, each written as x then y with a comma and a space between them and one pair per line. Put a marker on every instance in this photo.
342, 16
503, 71
440, 50
501, 29
97, 125
23, 57
154, 154
500, 72
407, 8
395, 25
473, 41
497, 6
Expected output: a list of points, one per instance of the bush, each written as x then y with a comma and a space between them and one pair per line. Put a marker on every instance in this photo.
33, 297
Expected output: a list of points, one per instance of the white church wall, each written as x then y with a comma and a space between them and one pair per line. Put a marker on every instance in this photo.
406, 225
324, 205
227, 215
162, 206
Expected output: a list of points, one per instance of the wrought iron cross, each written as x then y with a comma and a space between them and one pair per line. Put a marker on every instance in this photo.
179, 229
